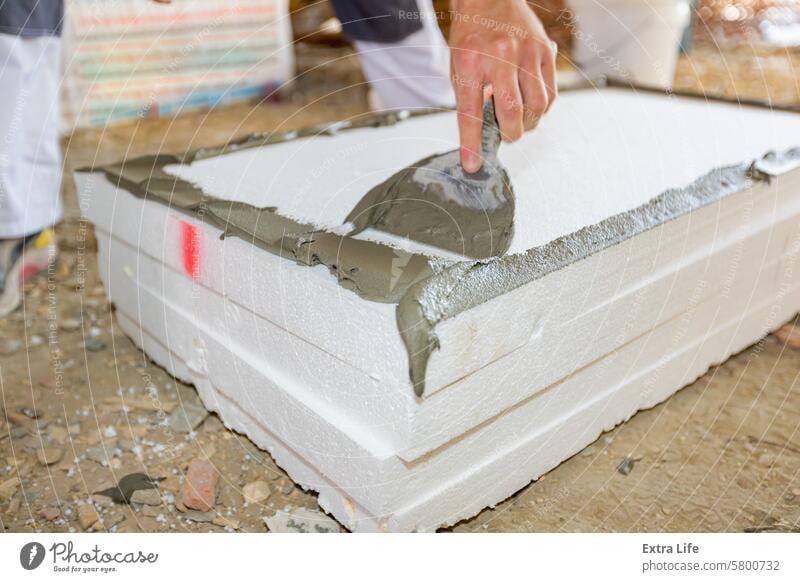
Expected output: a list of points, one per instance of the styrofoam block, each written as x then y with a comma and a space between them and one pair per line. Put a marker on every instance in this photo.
278, 349
349, 457
511, 465
572, 330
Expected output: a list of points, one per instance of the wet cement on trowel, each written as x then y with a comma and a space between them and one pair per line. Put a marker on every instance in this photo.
429, 291
436, 202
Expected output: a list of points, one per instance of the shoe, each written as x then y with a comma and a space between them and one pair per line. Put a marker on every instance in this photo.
21, 259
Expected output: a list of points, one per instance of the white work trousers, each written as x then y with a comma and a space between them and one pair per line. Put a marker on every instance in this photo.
30, 160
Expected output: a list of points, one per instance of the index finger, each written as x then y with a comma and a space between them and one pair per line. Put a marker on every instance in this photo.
469, 102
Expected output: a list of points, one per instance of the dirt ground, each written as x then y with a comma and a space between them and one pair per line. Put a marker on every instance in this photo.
721, 455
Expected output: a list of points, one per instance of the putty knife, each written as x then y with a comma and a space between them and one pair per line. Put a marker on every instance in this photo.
437, 203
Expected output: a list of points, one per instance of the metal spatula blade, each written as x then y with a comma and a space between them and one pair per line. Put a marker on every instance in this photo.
437, 203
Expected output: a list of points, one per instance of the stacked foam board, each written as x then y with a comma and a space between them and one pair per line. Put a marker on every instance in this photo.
141, 58
652, 239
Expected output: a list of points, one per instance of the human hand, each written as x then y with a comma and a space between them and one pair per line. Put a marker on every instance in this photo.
499, 44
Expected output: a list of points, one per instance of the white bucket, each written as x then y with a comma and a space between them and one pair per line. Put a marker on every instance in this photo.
635, 40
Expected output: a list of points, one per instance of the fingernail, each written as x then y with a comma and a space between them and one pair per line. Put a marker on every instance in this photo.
471, 162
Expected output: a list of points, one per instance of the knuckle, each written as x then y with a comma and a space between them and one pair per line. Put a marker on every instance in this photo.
538, 103
504, 47
510, 103
470, 45
466, 60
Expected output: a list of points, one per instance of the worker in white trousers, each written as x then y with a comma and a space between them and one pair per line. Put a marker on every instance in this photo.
496, 47
30, 161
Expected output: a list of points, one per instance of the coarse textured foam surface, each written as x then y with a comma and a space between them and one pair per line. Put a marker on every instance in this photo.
317, 375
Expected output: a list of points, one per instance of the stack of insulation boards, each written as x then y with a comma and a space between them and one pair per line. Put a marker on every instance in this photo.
140, 58
411, 386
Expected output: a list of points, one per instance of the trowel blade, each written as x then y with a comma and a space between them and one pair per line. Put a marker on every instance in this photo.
436, 202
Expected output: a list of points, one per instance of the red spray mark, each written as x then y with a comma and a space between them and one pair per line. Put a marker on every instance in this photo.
190, 244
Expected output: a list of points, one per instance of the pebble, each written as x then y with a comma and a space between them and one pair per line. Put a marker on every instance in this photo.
200, 486
186, 418
70, 324
151, 511
256, 492
199, 516
87, 516
301, 520
28, 411
626, 466
57, 433
124, 490
146, 497
789, 335
223, 521
50, 513
49, 455
94, 344
102, 501
8, 488
100, 455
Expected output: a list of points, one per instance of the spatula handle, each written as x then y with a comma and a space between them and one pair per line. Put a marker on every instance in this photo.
490, 134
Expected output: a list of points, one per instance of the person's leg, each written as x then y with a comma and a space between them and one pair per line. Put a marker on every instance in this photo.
30, 164
30, 160
402, 51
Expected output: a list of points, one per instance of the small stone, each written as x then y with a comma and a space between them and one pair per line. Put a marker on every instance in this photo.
112, 519
100, 455
795, 492
200, 486
102, 501
186, 418
87, 516
8, 488
126, 445
50, 513
49, 455
17, 419
146, 497
788, 335
228, 522
301, 520
151, 510
94, 344
124, 490
199, 516
70, 324
28, 411
626, 466
256, 492
57, 433
9, 347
